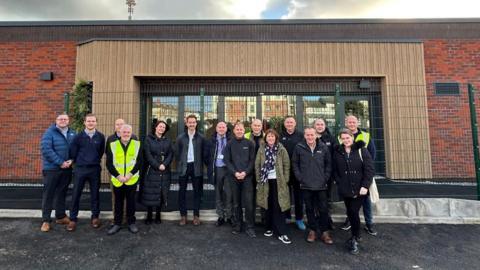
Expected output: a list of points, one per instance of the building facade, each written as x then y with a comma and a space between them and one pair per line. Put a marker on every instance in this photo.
406, 80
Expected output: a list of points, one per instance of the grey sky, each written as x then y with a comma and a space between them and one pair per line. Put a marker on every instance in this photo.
26, 10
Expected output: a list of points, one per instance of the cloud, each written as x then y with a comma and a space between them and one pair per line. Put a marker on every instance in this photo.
304, 9
144, 10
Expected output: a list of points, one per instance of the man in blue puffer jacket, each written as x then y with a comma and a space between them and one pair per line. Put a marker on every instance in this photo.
57, 170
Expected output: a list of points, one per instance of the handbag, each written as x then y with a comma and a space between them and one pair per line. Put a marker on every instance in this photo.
372, 190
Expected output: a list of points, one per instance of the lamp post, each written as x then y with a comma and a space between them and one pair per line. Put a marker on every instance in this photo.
130, 4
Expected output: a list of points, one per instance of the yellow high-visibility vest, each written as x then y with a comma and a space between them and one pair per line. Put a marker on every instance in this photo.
124, 161
363, 136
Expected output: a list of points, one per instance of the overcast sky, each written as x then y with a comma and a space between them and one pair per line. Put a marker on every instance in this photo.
34, 10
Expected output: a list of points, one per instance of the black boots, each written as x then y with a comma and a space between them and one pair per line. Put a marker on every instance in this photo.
149, 218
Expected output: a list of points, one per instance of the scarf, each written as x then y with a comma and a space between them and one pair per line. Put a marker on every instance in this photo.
269, 164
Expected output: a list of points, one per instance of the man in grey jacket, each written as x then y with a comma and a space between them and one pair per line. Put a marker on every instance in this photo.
239, 158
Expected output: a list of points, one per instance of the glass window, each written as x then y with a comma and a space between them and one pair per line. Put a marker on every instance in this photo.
210, 112
166, 109
275, 108
319, 106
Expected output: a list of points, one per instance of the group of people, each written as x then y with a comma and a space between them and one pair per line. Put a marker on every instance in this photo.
258, 168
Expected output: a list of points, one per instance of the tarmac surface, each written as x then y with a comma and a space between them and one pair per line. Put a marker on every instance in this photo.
168, 246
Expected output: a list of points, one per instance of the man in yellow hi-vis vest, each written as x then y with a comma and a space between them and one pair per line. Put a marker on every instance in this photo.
124, 162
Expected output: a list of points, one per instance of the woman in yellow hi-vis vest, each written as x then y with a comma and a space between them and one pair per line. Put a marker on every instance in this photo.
124, 162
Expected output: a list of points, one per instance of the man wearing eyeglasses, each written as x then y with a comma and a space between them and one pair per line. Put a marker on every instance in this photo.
57, 170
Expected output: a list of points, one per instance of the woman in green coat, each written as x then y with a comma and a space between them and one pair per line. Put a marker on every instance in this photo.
272, 168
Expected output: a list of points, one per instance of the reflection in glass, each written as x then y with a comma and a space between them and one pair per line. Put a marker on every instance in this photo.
210, 112
319, 106
241, 109
360, 109
275, 108
166, 109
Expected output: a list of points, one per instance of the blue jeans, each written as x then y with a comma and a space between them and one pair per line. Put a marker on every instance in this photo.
55, 185
92, 176
367, 211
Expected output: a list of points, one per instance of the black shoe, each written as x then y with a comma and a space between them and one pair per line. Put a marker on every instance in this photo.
352, 246
370, 230
148, 221
251, 233
236, 231
114, 229
220, 222
133, 228
346, 225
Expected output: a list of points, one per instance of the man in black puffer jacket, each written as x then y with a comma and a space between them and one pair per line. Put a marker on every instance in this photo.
312, 167
239, 157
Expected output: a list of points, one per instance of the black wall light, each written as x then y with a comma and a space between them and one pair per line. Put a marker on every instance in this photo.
46, 76
364, 84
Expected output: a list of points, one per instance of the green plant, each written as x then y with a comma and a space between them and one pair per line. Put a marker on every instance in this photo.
81, 103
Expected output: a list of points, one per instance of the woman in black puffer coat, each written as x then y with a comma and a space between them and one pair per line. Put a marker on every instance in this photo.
353, 171
158, 155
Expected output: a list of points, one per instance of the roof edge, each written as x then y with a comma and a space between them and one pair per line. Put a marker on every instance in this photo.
253, 40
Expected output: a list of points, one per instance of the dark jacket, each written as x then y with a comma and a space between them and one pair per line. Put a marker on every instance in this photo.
86, 151
55, 147
289, 141
329, 140
113, 138
156, 184
257, 140
239, 156
138, 162
312, 169
212, 154
200, 152
350, 172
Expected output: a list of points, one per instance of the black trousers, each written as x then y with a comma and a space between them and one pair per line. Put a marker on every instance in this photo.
243, 198
197, 183
353, 207
122, 193
316, 205
158, 209
55, 185
297, 198
90, 174
274, 217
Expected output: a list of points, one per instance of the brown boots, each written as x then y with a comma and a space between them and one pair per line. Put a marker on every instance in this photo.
325, 237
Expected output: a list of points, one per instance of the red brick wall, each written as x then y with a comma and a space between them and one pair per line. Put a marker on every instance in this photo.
27, 104
449, 116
